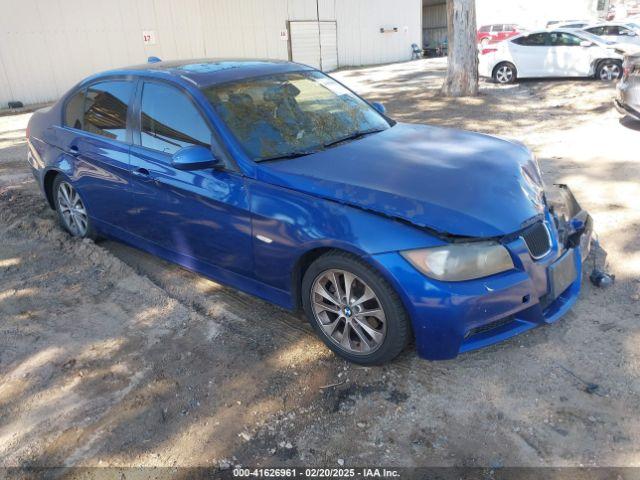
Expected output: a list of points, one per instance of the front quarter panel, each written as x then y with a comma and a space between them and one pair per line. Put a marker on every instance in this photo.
288, 224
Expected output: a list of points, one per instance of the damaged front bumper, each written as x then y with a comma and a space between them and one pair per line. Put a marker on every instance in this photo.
449, 318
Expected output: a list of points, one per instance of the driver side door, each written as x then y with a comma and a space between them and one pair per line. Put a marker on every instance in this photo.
198, 217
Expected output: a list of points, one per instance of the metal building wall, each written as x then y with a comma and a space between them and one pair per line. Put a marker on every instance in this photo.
46, 46
359, 39
434, 22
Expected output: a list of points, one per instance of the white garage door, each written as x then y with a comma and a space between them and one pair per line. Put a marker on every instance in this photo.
328, 46
314, 44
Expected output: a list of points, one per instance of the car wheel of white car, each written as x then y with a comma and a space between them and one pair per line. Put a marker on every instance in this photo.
609, 70
505, 73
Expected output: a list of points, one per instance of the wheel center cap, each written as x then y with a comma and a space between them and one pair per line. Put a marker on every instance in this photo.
347, 312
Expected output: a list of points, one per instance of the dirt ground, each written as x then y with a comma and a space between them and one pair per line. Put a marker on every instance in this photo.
109, 356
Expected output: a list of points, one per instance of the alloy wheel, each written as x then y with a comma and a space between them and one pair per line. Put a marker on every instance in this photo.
348, 311
504, 74
72, 210
610, 72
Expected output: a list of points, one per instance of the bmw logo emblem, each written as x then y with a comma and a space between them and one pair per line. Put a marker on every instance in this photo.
347, 311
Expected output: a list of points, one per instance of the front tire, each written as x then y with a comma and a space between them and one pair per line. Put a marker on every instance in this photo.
354, 310
505, 73
609, 70
72, 212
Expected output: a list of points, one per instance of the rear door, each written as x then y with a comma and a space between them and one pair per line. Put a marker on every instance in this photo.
532, 55
202, 216
611, 33
496, 31
509, 31
96, 135
503, 33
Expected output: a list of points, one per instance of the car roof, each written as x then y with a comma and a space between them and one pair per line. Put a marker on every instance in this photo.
209, 71
546, 30
607, 24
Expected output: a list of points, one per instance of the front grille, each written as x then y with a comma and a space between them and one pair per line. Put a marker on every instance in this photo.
538, 240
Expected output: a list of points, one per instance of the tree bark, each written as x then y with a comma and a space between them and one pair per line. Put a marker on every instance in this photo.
462, 69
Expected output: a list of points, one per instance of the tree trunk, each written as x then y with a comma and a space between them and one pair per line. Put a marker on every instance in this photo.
462, 71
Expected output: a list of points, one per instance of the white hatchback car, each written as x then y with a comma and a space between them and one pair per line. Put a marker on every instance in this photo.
551, 53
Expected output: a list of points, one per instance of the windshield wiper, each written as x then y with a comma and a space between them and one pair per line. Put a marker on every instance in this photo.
353, 136
302, 153
284, 156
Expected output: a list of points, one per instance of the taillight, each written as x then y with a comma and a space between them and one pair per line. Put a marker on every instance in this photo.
488, 50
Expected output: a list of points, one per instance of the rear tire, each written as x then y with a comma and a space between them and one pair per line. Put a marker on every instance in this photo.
505, 73
71, 209
609, 70
371, 339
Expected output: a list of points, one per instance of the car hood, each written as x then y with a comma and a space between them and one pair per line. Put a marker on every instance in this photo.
453, 182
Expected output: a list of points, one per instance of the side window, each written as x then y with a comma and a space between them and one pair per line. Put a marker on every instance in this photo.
485, 29
74, 110
105, 109
535, 40
596, 30
170, 120
625, 32
496, 28
562, 39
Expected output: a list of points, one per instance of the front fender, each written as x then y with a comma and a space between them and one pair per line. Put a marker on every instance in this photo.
287, 224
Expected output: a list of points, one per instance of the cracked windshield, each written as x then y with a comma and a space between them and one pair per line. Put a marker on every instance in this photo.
290, 115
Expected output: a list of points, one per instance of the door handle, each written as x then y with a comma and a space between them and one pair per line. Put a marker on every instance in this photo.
73, 150
142, 173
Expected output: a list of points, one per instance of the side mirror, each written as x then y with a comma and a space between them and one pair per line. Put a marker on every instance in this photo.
379, 107
586, 43
194, 157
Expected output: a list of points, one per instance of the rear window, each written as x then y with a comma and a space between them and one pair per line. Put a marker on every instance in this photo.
74, 110
105, 109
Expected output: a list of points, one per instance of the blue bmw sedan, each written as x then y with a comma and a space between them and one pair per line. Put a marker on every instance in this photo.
277, 180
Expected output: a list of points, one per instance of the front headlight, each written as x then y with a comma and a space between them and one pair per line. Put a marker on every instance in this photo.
461, 261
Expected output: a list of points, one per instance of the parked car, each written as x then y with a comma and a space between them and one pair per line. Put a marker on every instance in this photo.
576, 24
623, 33
628, 93
556, 53
496, 32
275, 179
560, 23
